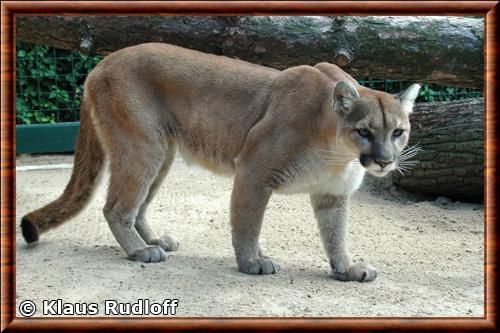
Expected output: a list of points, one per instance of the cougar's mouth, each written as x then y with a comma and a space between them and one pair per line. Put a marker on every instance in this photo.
374, 168
378, 173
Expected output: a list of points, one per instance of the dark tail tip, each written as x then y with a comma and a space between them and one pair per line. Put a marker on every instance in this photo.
30, 231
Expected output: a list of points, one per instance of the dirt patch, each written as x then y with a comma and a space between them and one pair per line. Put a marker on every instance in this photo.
429, 253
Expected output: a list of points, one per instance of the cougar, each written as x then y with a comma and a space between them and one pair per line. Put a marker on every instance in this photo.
304, 129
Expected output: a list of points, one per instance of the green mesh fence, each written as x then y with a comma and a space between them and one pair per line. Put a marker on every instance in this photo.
428, 93
49, 84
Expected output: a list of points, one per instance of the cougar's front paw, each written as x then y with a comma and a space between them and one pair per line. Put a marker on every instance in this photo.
360, 272
259, 266
152, 253
165, 242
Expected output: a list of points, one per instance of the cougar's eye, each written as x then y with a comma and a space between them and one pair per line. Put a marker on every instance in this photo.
364, 132
397, 133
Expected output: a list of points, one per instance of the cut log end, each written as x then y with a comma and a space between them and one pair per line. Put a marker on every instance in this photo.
451, 162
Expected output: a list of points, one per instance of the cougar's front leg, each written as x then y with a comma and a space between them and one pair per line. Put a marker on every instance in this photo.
248, 203
332, 215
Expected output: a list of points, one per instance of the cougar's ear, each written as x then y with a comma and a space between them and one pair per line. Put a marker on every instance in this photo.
407, 97
344, 96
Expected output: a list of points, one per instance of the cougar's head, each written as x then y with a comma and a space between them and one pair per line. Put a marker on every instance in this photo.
373, 125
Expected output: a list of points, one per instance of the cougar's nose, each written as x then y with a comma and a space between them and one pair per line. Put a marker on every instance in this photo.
383, 163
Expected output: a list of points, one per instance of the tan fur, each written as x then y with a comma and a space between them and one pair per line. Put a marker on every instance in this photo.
285, 131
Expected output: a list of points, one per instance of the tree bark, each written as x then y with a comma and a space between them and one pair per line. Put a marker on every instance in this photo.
444, 50
451, 163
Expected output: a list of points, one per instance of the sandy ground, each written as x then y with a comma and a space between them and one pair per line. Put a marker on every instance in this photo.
429, 253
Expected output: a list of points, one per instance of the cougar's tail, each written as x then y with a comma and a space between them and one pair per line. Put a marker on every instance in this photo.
89, 160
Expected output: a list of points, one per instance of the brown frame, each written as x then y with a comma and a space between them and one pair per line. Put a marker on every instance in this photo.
9, 9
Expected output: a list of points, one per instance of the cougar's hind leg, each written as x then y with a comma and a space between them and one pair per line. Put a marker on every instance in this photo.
166, 242
133, 171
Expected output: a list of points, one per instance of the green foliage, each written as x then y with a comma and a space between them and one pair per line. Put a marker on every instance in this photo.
435, 93
49, 83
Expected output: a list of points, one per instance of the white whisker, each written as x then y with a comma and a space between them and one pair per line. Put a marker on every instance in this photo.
404, 164
339, 159
406, 161
409, 155
339, 162
331, 152
409, 151
403, 168
345, 158
405, 157
334, 163
412, 151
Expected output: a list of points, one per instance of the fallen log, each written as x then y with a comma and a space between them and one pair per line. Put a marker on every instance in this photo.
438, 49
